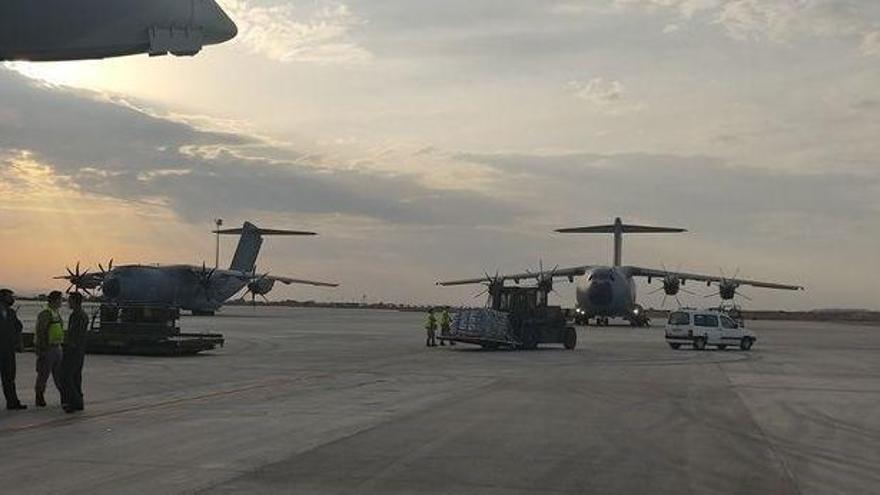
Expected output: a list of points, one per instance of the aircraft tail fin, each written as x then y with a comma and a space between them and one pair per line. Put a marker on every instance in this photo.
249, 244
618, 228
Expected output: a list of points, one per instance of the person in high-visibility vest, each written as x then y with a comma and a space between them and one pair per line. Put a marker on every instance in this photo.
48, 338
431, 328
444, 326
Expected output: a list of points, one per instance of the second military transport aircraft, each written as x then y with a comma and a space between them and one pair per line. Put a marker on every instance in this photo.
53, 30
198, 289
610, 291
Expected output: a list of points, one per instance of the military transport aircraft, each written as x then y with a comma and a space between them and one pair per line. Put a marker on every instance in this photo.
199, 289
610, 291
52, 30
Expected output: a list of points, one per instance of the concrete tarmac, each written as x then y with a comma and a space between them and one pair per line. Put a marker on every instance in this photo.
350, 401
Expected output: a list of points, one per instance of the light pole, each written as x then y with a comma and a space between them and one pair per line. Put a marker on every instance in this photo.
219, 223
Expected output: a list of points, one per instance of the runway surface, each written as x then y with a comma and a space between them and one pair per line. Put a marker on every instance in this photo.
350, 401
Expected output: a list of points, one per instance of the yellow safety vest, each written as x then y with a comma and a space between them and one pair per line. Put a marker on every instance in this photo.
431, 323
56, 327
444, 320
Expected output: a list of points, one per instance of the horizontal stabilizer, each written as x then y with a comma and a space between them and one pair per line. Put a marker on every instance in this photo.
238, 231
624, 229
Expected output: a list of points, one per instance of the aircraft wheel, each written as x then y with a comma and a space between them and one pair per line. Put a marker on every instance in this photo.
700, 343
745, 344
530, 340
674, 345
570, 339
721, 347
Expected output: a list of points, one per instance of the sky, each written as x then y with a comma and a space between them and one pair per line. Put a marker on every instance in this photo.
431, 140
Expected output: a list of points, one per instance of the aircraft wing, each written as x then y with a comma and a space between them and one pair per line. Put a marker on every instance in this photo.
288, 281
568, 273
637, 271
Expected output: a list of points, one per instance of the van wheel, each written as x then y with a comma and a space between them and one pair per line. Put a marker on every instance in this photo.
570, 339
700, 343
674, 345
745, 344
721, 347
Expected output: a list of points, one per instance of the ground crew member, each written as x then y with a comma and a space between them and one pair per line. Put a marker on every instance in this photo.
74, 355
10, 341
431, 328
444, 326
48, 337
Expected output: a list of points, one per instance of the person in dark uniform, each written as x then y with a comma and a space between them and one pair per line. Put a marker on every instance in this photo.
48, 338
10, 341
74, 355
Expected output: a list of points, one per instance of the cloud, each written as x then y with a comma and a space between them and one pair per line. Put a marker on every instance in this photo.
605, 96
687, 8
701, 190
105, 148
778, 20
319, 33
871, 44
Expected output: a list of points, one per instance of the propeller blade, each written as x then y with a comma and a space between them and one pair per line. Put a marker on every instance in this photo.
687, 291
663, 303
68, 271
747, 298
658, 289
713, 294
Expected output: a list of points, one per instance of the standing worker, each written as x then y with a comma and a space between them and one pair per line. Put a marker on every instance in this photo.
444, 326
48, 337
431, 328
10, 341
74, 355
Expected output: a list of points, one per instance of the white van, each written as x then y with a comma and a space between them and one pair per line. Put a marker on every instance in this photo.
702, 327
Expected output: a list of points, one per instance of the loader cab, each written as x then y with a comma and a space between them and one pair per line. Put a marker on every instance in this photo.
519, 299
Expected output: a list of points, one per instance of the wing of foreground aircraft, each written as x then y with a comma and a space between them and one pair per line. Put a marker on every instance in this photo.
568, 273
637, 271
288, 281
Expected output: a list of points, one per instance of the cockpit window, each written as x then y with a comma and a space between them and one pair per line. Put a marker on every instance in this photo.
679, 318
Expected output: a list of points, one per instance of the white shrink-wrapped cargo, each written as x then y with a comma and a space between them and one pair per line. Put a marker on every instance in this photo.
481, 324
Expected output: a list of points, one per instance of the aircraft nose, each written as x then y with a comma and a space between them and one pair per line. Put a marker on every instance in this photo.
112, 288
218, 27
600, 293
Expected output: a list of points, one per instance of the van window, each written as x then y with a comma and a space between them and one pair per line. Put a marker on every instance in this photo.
706, 320
679, 318
726, 322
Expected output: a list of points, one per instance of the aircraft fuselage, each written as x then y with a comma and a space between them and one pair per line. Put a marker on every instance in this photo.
607, 292
178, 285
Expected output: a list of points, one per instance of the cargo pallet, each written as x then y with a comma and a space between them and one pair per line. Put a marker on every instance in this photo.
143, 330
